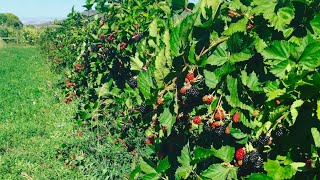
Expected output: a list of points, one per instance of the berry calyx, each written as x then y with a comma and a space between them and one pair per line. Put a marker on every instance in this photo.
236, 117
220, 114
197, 120
190, 76
240, 153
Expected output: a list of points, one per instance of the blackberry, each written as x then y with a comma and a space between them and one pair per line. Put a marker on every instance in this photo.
133, 82
192, 92
142, 108
258, 164
264, 139
279, 131
254, 157
246, 159
220, 130
207, 127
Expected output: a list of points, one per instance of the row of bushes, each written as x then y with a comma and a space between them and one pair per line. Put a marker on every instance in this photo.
220, 89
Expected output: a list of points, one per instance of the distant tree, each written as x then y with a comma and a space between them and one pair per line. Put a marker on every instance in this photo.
10, 20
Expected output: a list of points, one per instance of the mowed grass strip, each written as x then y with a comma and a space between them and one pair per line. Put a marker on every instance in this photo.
33, 119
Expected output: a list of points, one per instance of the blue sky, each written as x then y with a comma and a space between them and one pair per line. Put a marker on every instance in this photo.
40, 9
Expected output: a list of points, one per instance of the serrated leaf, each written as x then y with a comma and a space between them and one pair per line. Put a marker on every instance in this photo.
318, 109
134, 173
201, 153
145, 83
278, 50
181, 32
161, 70
192, 53
212, 79
272, 90
213, 7
239, 26
241, 56
294, 110
310, 58
278, 172
225, 153
220, 56
151, 176
233, 99
258, 176
153, 28
237, 133
146, 168
315, 24
135, 63
316, 136
185, 160
218, 171
163, 165
184, 171
166, 119
251, 81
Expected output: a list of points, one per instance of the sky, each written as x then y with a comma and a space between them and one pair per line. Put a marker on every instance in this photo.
28, 10
33, 11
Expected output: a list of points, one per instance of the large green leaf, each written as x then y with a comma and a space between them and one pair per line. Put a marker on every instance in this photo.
316, 136
163, 165
251, 81
278, 172
310, 58
294, 110
278, 50
161, 70
225, 153
218, 171
201, 153
146, 168
212, 79
258, 176
239, 26
213, 6
180, 33
145, 83
135, 63
220, 56
166, 119
185, 169
241, 56
233, 99
315, 24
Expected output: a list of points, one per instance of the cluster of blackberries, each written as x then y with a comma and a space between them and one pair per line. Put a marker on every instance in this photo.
145, 108
193, 92
137, 37
133, 82
253, 161
220, 130
264, 139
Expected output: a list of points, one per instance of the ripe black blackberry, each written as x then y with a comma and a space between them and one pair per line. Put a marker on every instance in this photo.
192, 92
246, 159
220, 130
133, 82
258, 164
142, 108
207, 127
279, 131
254, 157
264, 139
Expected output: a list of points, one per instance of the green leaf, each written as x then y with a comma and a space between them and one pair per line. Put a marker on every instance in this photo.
213, 7
166, 119
212, 79
192, 53
134, 173
277, 172
161, 71
201, 153
151, 176
180, 33
184, 171
310, 58
220, 56
318, 109
315, 24
145, 83
278, 50
153, 28
239, 26
225, 153
237, 133
316, 136
163, 165
185, 160
135, 63
273, 91
294, 111
179, 4
146, 168
258, 176
233, 99
251, 81
241, 56
218, 171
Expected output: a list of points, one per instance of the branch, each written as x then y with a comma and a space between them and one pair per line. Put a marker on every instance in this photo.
212, 45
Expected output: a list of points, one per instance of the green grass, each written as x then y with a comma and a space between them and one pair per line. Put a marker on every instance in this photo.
33, 119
